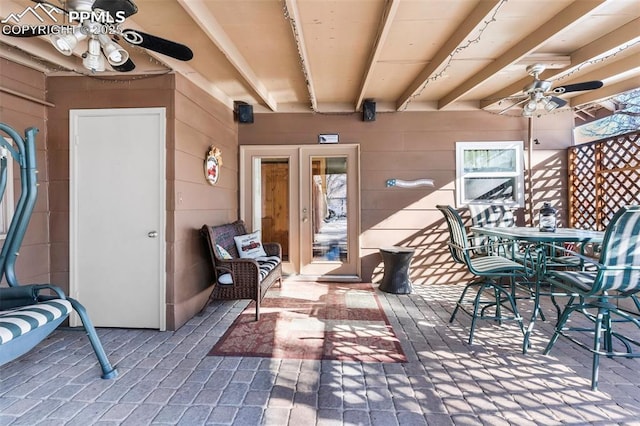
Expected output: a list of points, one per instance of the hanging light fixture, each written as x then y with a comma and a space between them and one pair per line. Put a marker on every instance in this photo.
549, 104
92, 59
98, 44
529, 108
65, 43
115, 54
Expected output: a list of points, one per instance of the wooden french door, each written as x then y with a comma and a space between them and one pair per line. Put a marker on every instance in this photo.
307, 198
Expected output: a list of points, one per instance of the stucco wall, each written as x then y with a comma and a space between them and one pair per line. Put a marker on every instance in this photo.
412, 145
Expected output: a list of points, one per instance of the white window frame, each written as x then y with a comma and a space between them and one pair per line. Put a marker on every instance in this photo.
461, 197
7, 203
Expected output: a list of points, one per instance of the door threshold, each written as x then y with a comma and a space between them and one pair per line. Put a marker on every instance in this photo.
323, 278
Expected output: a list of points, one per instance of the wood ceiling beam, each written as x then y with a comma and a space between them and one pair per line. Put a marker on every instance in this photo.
212, 28
560, 22
33, 52
389, 13
298, 34
626, 34
607, 91
468, 24
185, 69
610, 71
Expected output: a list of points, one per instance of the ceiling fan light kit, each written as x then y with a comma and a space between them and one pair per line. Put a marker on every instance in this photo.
65, 43
92, 59
100, 23
539, 95
115, 54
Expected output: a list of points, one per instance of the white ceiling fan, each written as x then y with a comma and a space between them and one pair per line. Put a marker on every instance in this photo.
539, 95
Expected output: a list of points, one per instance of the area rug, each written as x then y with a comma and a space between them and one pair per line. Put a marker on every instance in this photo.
304, 320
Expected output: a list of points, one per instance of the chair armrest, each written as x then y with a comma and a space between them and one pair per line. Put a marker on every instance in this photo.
13, 297
586, 259
241, 270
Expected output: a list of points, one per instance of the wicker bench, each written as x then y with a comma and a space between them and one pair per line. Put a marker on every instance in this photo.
240, 278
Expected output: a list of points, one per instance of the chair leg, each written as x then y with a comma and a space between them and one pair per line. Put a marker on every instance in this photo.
496, 295
559, 326
108, 372
257, 309
476, 306
596, 349
461, 299
514, 308
608, 332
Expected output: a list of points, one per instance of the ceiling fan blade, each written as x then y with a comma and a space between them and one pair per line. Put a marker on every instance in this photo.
560, 102
514, 105
577, 87
28, 31
158, 44
124, 7
126, 67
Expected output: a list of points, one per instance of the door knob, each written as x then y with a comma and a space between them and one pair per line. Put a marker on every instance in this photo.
152, 234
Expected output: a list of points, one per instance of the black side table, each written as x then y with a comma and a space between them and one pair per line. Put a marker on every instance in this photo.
396, 270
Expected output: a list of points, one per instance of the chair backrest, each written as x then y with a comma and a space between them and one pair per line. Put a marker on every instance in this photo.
621, 253
222, 235
491, 215
457, 233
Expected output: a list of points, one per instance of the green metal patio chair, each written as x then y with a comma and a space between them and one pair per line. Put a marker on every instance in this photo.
491, 216
616, 276
491, 272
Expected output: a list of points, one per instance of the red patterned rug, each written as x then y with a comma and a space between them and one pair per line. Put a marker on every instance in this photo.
305, 320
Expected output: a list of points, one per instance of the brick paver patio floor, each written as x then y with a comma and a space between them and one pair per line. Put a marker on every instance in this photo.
167, 377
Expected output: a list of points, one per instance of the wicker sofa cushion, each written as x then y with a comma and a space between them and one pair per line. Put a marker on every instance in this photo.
267, 264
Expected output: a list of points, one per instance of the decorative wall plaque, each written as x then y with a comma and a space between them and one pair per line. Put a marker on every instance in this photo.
212, 165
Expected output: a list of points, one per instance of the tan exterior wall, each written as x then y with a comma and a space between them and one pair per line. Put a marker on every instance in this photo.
406, 145
194, 122
33, 263
200, 121
412, 145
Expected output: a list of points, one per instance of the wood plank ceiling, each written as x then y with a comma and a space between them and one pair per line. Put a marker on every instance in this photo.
406, 55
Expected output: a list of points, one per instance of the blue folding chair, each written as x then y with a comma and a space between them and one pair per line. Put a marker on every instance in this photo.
616, 275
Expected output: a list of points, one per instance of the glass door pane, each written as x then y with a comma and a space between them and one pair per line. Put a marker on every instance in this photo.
275, 202
329, 212
329, 209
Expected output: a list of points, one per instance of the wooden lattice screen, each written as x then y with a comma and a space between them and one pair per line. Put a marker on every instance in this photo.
603, 176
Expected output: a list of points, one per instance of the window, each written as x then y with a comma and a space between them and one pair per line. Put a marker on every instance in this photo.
490, 172
6, 204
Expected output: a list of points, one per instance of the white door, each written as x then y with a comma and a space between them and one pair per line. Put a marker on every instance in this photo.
307, 198
117, 216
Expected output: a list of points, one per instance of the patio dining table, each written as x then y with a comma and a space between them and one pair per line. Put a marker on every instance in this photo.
537, 238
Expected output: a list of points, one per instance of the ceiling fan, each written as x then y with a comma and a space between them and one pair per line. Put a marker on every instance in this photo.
539, 94
100, 23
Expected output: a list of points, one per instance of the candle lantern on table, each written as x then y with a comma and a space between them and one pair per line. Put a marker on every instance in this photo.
548, 221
